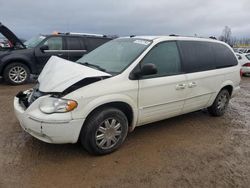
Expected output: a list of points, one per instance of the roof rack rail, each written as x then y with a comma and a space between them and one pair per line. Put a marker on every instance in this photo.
174, 35
86, 34
213, 37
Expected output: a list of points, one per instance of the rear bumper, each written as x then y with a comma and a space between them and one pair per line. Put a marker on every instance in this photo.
57, 130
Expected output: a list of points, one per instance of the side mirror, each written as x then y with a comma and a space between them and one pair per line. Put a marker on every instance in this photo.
44, 47
148, 69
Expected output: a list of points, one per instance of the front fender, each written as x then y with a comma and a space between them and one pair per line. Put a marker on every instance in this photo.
85, 106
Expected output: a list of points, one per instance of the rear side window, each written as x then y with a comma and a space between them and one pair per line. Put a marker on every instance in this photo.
224, 56
74, 43
197, 56
202, 56
166, 58
93, 43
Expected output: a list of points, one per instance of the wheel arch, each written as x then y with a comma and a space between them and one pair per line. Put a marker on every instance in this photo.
228, 85
16, 60
229, 88
121, 105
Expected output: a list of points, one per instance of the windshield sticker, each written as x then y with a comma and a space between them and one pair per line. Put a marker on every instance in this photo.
143, 42
42, 37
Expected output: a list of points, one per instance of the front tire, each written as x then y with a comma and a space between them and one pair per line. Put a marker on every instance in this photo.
16, 74
220, 103
104, 131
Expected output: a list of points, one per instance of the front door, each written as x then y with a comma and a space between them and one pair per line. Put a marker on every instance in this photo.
56, 47
162, 95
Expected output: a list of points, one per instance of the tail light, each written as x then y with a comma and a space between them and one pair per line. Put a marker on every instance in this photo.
241, 73
246, 65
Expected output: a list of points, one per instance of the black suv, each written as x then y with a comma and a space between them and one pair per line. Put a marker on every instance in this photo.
22, 59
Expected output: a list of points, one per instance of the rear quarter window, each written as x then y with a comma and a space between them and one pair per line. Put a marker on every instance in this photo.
224, 57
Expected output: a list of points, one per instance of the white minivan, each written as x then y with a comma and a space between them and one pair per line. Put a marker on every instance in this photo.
127, 82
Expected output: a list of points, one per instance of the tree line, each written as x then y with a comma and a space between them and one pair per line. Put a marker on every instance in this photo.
227, 37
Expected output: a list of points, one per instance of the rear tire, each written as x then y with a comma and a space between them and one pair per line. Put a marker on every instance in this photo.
16, 73
104, 131
220, 103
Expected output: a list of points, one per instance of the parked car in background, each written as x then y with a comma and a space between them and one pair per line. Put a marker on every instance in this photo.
244, 60
125, 83
246, 50
23, 59
4, 44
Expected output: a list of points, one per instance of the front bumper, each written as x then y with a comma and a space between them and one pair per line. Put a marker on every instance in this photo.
51, 128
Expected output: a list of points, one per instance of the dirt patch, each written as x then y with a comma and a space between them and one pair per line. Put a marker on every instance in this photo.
192, 150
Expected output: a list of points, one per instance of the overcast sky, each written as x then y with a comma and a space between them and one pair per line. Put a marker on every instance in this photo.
141, 17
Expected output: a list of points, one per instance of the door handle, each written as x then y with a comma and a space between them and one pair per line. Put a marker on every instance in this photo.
192, 84
180, 86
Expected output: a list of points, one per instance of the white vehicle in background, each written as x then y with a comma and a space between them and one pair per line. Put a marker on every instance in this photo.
244, 60
125, 83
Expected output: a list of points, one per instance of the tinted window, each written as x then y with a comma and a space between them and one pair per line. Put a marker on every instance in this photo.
54, 43
224, 56
197, 56
95, 42
74, 43
166, 58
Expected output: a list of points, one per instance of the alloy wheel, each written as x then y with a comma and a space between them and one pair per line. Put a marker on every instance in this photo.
108, 133
17, 74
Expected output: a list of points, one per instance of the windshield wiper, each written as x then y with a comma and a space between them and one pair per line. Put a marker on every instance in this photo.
93, 65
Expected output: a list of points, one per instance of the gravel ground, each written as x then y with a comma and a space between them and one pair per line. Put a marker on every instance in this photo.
192, 150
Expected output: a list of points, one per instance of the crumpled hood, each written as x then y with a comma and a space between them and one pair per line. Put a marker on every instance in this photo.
59, 74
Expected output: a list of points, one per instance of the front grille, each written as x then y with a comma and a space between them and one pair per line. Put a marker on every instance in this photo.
27, 98
35, 95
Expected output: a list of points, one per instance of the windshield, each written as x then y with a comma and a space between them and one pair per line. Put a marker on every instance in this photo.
34, 41
116, 55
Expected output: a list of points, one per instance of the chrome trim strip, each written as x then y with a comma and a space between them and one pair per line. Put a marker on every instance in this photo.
65, 51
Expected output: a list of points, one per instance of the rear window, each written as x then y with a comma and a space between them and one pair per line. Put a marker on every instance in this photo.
202, 56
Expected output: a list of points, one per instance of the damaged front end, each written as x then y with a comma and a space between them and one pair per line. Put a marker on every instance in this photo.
59, 78
26, 98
